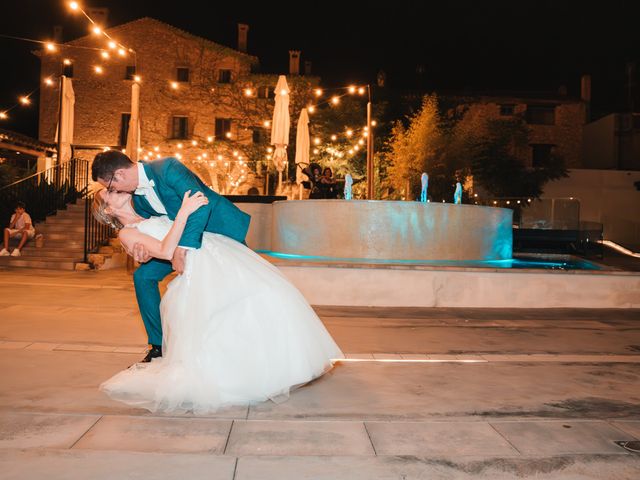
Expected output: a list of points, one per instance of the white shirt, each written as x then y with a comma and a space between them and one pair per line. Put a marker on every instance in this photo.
145, 188
22, 221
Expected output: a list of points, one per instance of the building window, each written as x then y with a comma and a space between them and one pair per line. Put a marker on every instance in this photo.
541, 155
257, 135
507, 110
541, 115
223, 127
67, 70
130, 72
224, 76
180, 127
182, 74
124, 128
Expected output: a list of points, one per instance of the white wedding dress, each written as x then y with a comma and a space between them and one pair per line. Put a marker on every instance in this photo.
235, 330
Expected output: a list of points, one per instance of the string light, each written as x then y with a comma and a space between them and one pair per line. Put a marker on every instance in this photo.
97, 30
248, 92
25, 100
3, 115
105, 54
179, 145
267, 123
334, 137
210, 139
174, 85
361, 90
98, 69
194, 143
122, 52
48, 81
73, 5
66, 61
349, 132
50, 46
352, 89
137, 78
335, 100
311, 109
318, 92
112, 45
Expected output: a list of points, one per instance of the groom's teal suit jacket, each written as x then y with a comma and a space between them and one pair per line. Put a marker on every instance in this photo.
172, 179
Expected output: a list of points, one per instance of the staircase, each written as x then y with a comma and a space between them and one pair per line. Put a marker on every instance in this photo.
63, 236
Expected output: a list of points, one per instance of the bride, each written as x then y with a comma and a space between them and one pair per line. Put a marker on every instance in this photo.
235, 331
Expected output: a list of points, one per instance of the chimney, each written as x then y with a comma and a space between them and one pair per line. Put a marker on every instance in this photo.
307, 67
585, 88
57, 34
243, 30
585, 95
99, 15
294, 62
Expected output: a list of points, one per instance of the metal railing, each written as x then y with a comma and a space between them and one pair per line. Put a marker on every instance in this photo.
46, 192
95, 233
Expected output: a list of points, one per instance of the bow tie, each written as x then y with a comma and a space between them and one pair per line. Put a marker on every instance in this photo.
142, 189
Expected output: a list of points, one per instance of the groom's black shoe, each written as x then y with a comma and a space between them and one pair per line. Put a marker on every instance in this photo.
154, 352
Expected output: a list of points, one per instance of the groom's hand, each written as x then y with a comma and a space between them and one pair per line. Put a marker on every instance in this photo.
140, 253
178, 259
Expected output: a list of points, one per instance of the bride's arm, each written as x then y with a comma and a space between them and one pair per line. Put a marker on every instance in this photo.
164, 248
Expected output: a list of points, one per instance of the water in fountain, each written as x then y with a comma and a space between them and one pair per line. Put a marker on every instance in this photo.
425, 186
457, 196
348, 182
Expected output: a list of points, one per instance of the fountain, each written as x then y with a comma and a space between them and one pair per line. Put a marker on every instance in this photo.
424, 180
457, 196
348, 183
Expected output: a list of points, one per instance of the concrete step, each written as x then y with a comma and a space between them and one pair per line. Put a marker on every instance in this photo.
30, 250
60, 221
38, 253
62, 244
61, 228
26, 263
43, 258
71, 236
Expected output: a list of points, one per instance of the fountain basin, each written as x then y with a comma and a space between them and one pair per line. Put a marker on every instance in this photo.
391, 230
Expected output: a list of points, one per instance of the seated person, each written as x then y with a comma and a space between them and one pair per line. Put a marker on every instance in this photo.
328, 184
20, 226
316, 184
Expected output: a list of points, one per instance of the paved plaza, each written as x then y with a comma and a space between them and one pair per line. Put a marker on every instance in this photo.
424, 393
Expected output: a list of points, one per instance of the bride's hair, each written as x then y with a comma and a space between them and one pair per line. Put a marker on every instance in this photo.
98, 210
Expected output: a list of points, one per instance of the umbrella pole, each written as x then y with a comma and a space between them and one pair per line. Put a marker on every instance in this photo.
300, 192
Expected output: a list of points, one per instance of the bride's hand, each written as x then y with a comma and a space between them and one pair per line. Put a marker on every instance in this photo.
191, 203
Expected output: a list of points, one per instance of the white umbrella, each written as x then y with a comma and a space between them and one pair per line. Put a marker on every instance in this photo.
280, 127
64, 132
302, 147
133, 134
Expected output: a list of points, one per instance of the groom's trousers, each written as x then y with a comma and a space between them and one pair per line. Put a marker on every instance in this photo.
146, 279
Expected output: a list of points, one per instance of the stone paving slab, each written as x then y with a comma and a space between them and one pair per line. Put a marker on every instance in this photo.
614, 467
632, 427
560, 438
153, 434
30, 430
437, 439
90, 465
298, 438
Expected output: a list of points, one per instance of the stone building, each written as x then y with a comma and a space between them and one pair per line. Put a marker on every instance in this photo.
555, 122
200, 101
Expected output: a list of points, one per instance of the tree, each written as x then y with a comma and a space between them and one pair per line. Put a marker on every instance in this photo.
414, 149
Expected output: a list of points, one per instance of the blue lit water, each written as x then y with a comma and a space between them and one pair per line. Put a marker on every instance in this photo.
538, 263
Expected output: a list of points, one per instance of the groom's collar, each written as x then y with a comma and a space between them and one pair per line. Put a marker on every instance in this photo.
143, 180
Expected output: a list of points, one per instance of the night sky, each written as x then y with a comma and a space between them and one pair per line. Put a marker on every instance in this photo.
517, 45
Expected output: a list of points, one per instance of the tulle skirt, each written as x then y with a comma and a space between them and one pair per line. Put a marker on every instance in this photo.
235, 332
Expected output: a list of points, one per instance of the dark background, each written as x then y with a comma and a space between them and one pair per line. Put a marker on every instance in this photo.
519, 45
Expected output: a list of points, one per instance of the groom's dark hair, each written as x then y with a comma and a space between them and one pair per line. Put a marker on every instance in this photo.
106, 163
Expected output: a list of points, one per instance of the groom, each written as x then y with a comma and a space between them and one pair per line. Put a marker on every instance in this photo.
158, 189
